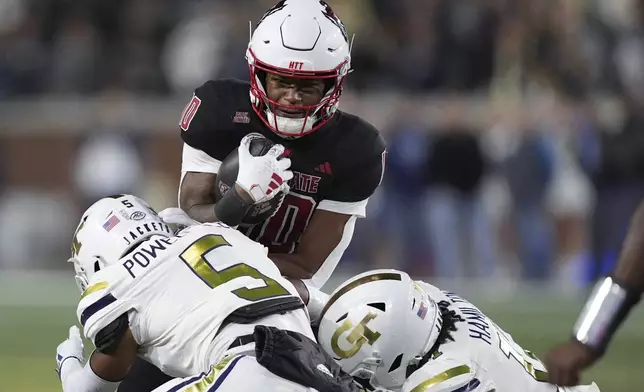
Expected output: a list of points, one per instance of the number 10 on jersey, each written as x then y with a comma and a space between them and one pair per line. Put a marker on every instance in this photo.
195, 258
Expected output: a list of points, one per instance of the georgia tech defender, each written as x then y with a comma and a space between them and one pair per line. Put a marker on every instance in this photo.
393, 333
188, 303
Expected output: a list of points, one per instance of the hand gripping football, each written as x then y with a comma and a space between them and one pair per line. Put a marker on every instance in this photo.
227, 176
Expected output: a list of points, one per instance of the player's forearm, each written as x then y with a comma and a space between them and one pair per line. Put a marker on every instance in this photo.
613, 297
230, 210
292, 265
314, 298
630, 264
203, 213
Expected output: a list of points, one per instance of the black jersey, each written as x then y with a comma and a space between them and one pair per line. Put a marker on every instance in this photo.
335, 168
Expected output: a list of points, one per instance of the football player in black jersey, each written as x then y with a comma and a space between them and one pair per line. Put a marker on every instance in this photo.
298, 58
610, 302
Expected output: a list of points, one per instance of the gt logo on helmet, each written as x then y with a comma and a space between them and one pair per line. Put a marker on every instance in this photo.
360, 335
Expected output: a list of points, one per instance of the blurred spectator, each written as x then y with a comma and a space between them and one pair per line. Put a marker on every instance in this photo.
200, 37
619, 179
107, 164
467, 34
571, 197
404, 193
144, 54
3, 167
629, 53
27, 215
461, 239
23, 61
75, 56
529, 170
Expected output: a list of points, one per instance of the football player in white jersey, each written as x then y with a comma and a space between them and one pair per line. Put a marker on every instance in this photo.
394, 333
201, 302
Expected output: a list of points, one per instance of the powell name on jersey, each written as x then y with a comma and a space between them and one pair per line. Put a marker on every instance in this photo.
176, 293
336, 168
482, 357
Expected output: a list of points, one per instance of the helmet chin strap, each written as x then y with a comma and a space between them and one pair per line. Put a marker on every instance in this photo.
291, 127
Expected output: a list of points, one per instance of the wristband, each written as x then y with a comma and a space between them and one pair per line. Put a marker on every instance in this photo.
232, 208
607, 306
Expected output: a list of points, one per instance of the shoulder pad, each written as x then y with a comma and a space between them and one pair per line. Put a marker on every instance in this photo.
98, 308
207, 122
363, 132
358, 178
443, 375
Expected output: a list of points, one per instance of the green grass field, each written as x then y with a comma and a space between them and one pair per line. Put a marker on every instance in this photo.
29, 334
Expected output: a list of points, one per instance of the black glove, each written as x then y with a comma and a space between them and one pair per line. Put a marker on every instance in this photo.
295, 357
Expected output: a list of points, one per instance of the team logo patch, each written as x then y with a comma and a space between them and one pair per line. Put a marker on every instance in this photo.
241, 118
189, 112
137, 215
422, 310
223, 188
111, 222
324, 168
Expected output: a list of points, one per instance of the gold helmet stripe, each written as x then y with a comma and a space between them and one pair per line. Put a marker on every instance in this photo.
359, 282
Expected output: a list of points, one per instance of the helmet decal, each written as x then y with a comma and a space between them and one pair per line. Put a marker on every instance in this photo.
330, 15
281, 4
358, 336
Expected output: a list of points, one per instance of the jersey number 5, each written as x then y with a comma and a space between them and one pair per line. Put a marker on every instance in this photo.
195, 257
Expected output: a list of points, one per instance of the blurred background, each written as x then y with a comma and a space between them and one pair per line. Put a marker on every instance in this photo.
516, 148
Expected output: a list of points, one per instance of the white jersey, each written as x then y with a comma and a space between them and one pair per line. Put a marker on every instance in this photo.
177, 292
235, 373
482, 357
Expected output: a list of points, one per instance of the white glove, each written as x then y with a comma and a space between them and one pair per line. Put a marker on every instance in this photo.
264, 176
177, 216
285, 190
71, 348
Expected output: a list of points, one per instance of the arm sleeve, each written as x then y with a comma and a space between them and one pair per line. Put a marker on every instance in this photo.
75, 378
195, 160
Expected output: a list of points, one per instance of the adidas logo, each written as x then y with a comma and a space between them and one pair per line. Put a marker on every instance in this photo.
275, 183
324, 370
324, 168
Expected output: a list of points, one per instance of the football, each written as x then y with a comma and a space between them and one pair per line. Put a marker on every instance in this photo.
227, 176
